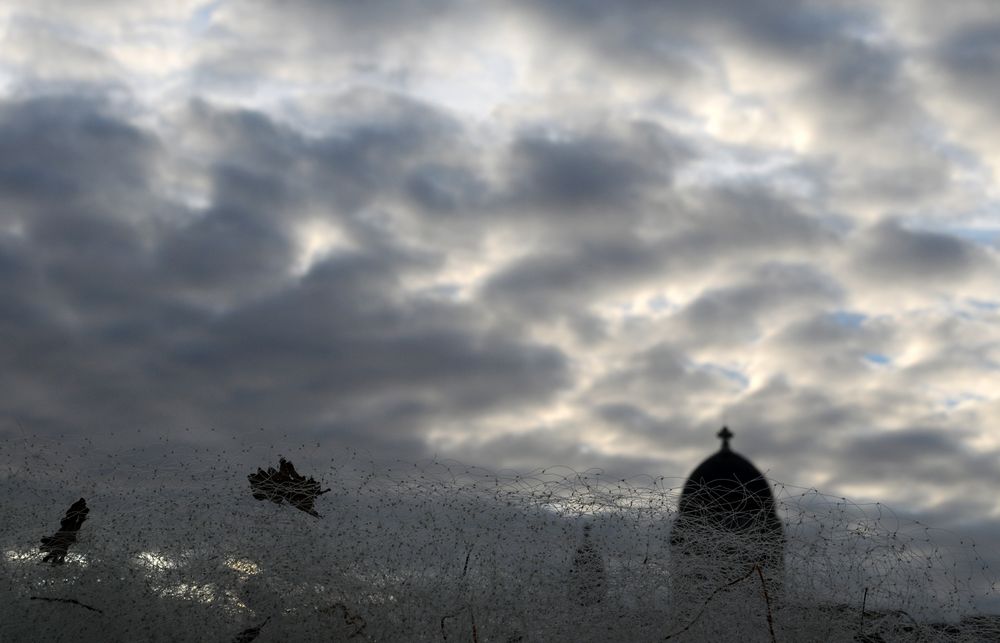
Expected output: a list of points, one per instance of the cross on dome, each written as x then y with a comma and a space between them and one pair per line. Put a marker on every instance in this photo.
725, 435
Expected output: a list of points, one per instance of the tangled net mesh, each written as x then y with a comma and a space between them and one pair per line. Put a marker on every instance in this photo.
179, 545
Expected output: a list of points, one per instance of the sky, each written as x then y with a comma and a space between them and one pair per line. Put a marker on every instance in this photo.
517, 234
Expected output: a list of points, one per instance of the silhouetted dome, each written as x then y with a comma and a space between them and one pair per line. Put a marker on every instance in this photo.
728, 492
727, 527
726, 470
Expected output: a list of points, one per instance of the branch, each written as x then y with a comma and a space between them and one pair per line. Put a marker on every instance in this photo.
66, 600
767, 601
707, 601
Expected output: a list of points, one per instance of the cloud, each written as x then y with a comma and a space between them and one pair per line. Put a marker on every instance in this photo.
572, 177
197, 316
49, 145
562, 282
339, 335
890, 251
968, 54
662, 377
519, 234
732, 315
831, 81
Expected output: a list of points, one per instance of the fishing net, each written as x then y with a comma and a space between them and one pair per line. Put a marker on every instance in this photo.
162, 541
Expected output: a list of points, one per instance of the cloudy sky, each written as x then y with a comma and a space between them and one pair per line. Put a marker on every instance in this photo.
517, 234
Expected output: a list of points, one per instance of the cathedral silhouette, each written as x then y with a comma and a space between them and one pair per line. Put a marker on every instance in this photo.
727, 539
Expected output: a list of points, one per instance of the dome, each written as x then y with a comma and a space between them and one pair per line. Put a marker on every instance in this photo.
727, 526
728, 492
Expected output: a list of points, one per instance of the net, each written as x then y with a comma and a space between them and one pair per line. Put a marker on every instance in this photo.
265, 543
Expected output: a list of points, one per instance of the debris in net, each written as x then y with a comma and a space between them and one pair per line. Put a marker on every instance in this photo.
250, 633
352, 620
72, 601
472, 619
285, 483
56, 547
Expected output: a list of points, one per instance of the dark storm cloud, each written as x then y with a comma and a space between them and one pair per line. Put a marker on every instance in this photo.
817, 331
267, 178
845, 77
863, 81
733, 314
630, 37
921, 454
783, 419
380, 123
969, 57
566, 177
712, 230
660, 375
73, 181
48, 148
104, 270
337, 337
240, 245
358, 20
904, 447
636, 31
668, 41
377, 142
446, 189
891, 251
743, 221
677, 38
600, 179
859, 93
585, 196
560, 281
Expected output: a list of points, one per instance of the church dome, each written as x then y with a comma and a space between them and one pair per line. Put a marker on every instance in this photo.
727, 491
727, 527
